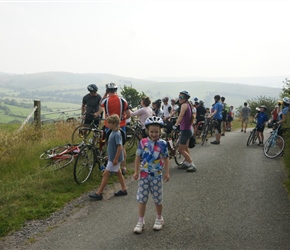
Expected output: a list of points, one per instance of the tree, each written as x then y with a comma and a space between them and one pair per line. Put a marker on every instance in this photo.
269, 102
132, 96
286, 88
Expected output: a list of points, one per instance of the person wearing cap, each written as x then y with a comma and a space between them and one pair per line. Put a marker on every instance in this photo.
262, 119
245, 114
91, 106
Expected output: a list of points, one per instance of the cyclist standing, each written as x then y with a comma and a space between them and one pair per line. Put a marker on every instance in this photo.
245, 113
185, 121
283, 114
113, 104
91, 106
262, 119
217, 115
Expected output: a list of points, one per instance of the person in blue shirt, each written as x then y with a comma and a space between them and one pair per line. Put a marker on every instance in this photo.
262, 119
217, 117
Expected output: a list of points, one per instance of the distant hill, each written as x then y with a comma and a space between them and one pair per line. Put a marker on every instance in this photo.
49, 84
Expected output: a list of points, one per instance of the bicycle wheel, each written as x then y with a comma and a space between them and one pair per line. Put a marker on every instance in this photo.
81, 133
204, 134
274, 146
252, 137
131, 145
84, 164
61, 161
179, 158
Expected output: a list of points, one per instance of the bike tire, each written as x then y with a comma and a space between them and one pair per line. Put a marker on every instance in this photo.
131, 145
178, 157
61, 161
84, 164
272, 149
81, 133
204, 135
251, 137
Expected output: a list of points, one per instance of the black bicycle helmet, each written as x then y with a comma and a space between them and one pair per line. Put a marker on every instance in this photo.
92, 88
154, 120
223, 98
158, 101
186, 93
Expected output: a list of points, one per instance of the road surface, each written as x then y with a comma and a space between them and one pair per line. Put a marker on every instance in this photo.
235, 200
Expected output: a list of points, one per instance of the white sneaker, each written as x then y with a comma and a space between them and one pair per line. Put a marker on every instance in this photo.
139, 228
158, 225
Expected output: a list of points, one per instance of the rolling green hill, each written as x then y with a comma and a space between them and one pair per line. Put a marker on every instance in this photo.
57, 90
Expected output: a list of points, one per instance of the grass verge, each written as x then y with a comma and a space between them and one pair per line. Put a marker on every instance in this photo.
28, 190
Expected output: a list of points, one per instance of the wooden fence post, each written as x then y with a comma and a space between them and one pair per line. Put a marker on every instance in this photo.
37, 114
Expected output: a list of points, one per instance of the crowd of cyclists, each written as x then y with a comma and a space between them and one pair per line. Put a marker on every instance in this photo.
152, 155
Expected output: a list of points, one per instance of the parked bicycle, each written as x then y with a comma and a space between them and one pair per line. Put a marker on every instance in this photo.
208, 128
133, 136
93, 152
275, 144
172, 139
83, 132
253, 138
61, 156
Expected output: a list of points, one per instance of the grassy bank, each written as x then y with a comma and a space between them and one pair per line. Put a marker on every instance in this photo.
28, 189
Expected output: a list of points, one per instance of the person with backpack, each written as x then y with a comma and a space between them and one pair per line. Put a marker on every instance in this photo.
184, 120
225, 112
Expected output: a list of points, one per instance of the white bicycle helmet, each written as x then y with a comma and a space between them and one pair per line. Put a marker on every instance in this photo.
186, 93
92, 88
286, 100
154, 120
111, 86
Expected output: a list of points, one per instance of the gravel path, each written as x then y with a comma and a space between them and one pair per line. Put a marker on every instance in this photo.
236, 200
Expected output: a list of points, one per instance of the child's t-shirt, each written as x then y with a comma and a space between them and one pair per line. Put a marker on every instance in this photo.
115, 139
152, 154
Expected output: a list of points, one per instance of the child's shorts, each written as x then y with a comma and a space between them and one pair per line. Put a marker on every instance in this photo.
151, 185
110, 167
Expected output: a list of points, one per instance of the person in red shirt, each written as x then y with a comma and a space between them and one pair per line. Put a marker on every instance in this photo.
114, 104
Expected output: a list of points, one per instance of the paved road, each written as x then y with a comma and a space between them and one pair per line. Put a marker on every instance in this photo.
236, 200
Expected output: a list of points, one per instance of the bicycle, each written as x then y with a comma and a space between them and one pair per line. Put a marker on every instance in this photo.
83, 132
208, 126
133, 136
93, 152
252, 137
61, 156
172, 140
275, 144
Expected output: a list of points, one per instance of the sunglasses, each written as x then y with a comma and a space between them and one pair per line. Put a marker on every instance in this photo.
181, 97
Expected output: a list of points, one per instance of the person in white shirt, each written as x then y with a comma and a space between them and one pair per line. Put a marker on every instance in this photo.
143, 113
166, 108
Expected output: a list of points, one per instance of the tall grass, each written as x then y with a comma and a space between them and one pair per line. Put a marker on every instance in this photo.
28, 189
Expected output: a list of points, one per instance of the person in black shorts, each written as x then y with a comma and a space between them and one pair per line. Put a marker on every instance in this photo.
91, 104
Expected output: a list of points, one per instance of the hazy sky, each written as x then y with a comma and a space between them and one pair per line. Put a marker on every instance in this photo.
146, 38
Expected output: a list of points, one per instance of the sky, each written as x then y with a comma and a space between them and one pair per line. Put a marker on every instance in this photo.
144, 39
